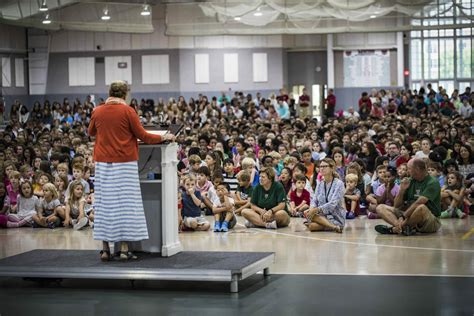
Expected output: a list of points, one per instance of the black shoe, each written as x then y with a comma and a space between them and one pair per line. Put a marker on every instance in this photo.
384, 230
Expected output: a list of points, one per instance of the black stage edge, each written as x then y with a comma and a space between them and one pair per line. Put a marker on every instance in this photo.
185, 266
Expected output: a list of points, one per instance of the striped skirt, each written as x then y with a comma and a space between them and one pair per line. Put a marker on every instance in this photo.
119, 214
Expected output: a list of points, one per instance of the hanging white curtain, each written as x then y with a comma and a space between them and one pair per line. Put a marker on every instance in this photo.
220, 17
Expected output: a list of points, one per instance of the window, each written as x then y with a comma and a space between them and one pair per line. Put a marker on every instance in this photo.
416, 86
441, 44
316, 97
416, 59
464, 58
448, 86
463, 86
430, 58
297, 91
446, 58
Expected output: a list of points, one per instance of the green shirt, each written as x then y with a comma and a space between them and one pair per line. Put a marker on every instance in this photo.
430, 189
268, 199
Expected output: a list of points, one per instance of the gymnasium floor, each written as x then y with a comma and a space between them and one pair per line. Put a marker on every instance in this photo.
359, 269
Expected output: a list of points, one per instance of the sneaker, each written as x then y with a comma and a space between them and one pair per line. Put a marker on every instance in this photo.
384, 230
371, 215
445, 214
249, 224
460, 213
91, 224
350, 215
225, 226
271, 225
81, 223
34, 225
217, 226
51, 225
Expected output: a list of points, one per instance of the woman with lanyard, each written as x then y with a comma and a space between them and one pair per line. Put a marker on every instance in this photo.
268, 203
326, 211
119, 214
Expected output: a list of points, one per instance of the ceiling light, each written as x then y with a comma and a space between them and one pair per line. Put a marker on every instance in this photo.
43, 7
106, 15
237, 18
146, 10
258, 13
373, 16
46, 19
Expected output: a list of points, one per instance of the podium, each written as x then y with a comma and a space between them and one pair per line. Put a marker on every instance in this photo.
157, 166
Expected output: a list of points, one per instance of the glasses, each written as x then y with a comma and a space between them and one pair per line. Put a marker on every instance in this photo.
324, 166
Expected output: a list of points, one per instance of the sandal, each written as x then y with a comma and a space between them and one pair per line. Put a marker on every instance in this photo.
338, 229
105, 255
125, 256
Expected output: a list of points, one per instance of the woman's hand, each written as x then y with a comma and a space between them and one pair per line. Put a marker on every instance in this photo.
309, 214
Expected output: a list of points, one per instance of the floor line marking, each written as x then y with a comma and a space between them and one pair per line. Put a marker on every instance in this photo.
365, 244
373, 274
468, 234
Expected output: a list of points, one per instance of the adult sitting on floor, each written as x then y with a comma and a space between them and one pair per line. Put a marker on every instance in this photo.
268, 203
326, 211
417, 206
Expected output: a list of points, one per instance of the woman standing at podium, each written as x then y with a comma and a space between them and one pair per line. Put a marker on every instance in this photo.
119, 214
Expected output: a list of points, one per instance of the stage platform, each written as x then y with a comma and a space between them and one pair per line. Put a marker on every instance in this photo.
186, 266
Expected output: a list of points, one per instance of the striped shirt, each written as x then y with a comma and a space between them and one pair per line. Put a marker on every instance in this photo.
232, 181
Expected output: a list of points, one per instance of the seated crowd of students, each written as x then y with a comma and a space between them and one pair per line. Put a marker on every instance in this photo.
238, 156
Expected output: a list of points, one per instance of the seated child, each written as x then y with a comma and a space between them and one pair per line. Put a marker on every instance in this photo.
297, 170
435, 169
26, 207
61, 183
192, 203
249, 165
452, 196
63, 170
385, 194
78, 174
194, 164
223, 210
49, 209
41, 179
352, 196
25, 173
244, 191
402, 172
206, 188
229, 176
378, 176
299, 197
75, 212
13, 191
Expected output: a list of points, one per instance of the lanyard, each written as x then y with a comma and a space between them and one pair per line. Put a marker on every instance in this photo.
326, 193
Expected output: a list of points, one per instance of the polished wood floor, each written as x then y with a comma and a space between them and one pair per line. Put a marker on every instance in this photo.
358, 251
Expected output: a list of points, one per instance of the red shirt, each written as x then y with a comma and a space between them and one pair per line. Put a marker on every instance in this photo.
401, 160
367, 102
283, 97
117, 127
331, 100
305, 100
299, 199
